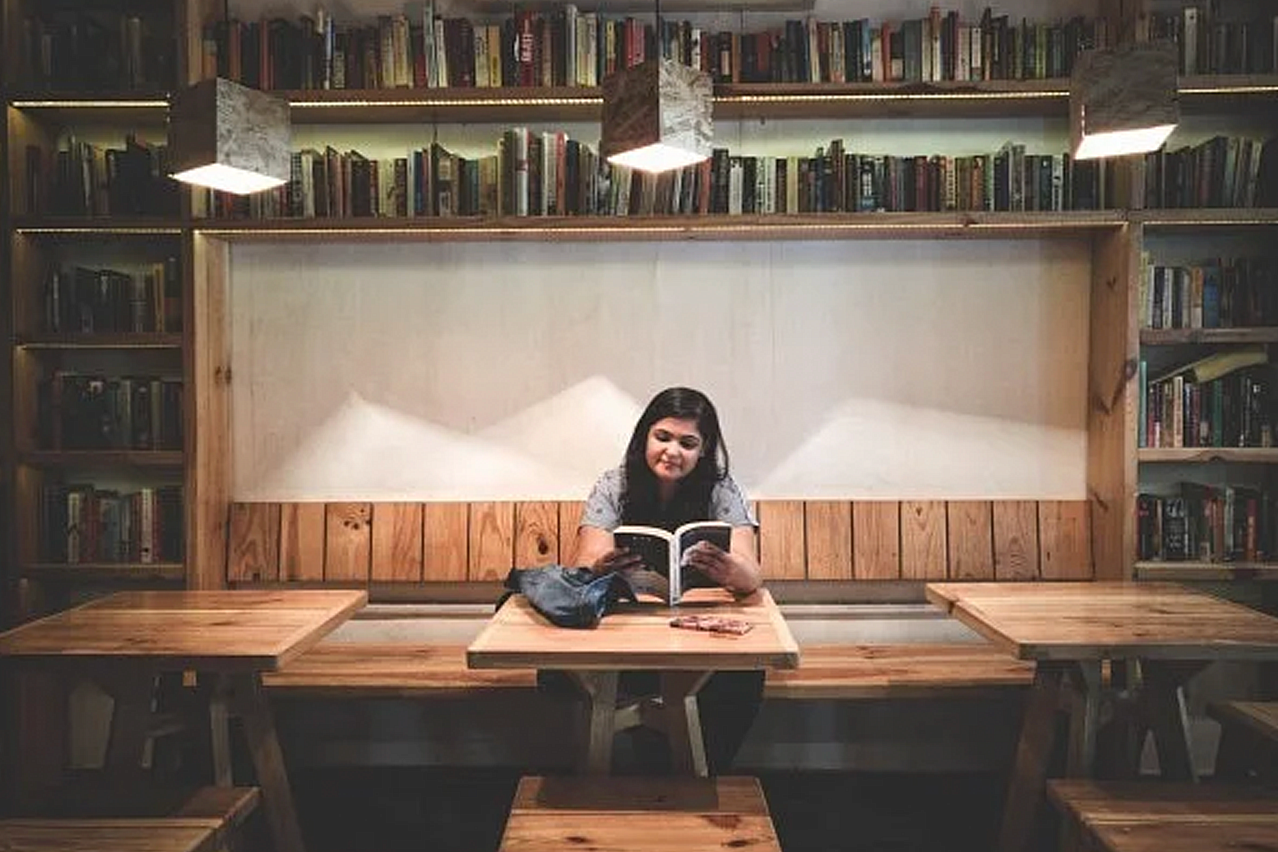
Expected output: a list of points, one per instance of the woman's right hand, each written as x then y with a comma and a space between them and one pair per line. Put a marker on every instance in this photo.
617, 559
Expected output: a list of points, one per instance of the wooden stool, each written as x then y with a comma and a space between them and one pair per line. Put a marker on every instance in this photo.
1135, 816
642, 814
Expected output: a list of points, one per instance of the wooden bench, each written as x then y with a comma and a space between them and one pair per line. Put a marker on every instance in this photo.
91, 818
634, 814
1137, 816
1248, 739
391, 669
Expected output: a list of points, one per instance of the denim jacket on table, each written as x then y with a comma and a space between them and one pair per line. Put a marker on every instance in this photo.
569, 597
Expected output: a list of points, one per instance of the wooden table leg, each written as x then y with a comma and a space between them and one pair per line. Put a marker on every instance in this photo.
1027, 787
1163, 703
216, 690
131, 695
1083, 719
682, 721
599, 720
268, 760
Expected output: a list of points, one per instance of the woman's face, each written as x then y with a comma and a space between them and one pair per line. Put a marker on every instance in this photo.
674, 446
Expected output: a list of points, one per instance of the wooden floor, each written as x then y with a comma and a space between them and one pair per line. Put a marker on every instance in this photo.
416, 810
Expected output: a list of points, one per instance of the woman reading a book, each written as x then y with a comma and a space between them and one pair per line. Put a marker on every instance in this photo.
676, 471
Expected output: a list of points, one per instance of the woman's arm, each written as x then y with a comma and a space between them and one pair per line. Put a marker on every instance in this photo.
597, 551
592, 543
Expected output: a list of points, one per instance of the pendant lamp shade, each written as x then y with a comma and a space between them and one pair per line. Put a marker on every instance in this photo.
657, 116
1123, 100
226, 136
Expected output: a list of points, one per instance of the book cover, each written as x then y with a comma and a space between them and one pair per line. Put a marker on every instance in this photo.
1218, 364
663, 554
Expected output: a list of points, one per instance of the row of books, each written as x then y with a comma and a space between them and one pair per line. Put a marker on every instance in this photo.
570, 47
96, 47
1223, 400
80, 523
540, 174
83, 300
548, 173
80, 411
85, 179
1223, 171
1237, 293
1207, 523
1211, 43
105, 48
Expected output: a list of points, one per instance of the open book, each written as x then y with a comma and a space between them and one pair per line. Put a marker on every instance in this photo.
663, 553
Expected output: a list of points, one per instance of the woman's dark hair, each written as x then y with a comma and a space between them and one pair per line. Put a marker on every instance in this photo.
641, 502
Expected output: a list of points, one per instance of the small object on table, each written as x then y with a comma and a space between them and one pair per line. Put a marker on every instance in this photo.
712, 623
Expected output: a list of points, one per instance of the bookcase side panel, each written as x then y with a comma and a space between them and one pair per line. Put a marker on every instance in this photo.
206, 265
1112, 403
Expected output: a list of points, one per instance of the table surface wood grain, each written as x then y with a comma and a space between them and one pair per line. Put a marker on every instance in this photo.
639, 636
227, 631
1109, 620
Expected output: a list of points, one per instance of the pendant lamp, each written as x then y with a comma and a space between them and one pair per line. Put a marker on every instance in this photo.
1123, 100
657, 116
226, 136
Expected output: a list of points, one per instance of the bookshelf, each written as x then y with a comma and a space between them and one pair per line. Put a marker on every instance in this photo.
96, 336
40, 112
1204, 509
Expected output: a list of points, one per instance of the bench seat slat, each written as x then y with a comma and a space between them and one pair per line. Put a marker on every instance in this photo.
391, 669
1139, 816
1259, 717
116, 835
631, 814
406, 670
897, 671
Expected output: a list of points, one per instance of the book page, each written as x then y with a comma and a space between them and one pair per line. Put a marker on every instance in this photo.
715, 532
654, 548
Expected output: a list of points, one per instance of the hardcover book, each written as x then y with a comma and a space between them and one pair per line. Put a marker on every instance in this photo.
664, 554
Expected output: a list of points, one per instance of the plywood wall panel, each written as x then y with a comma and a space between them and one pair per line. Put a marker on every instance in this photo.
923, 540
253, 552
876, 540
397, 543
970, 524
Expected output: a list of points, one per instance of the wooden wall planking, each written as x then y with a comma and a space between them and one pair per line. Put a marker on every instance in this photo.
357, 543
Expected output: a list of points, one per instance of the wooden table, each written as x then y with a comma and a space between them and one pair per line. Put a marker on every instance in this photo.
639, 637
123, 641
1071, 630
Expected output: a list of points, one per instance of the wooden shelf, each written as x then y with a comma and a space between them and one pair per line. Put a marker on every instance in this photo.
1159, 570
145, 340
105, 571
1207, 217
654, 228
1202, 455
1180, 336
732, 101
126, 110
103, 458
989, 98
105, 227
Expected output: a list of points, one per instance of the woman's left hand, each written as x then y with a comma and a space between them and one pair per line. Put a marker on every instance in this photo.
727, 569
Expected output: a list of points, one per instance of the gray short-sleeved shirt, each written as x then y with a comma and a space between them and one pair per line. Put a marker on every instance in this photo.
603, 506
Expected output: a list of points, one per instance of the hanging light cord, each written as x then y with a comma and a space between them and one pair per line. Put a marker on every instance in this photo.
661, 36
